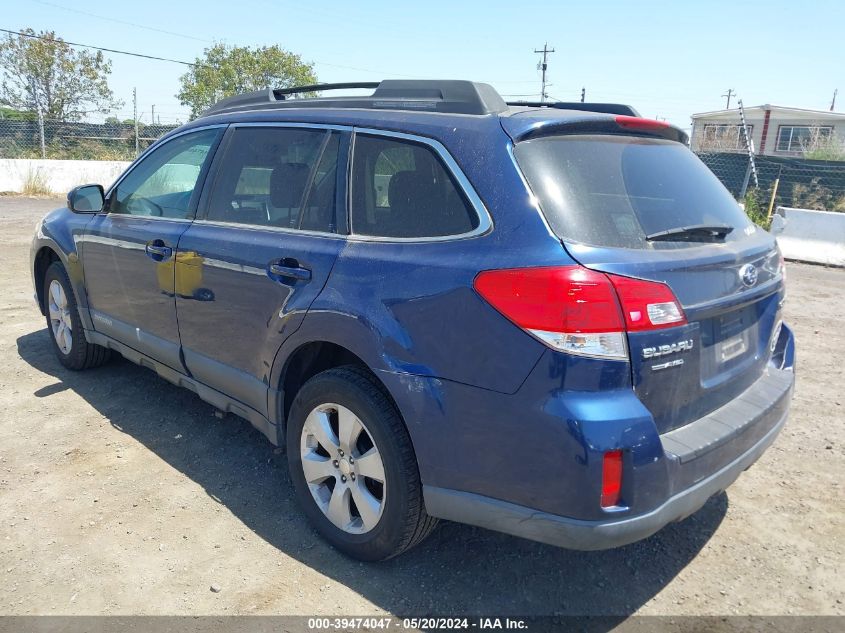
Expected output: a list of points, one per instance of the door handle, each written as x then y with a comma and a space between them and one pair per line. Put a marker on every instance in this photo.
291, 272
158, 249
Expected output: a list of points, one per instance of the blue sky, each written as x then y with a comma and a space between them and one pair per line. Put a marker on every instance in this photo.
667, 59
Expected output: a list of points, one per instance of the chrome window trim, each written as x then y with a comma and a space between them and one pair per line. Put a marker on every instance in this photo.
485, 222
141, 157
274, 229
157, 218
293, 124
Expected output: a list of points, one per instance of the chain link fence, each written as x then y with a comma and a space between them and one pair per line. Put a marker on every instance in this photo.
76, 141
801, 182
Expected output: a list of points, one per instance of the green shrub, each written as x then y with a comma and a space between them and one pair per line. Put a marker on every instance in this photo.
756, 207
817, 196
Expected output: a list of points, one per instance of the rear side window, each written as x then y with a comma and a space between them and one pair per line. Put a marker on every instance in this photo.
281, 177
606, 190
402, 189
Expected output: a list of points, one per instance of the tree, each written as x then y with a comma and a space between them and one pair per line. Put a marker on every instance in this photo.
51, 78
224, 71
15, 115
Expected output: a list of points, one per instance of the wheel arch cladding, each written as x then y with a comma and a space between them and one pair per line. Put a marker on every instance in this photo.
314, 357
45, 256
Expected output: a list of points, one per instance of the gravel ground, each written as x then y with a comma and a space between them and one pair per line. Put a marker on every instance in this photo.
122, 494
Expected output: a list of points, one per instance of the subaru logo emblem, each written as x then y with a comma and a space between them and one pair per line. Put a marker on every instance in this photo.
748, 275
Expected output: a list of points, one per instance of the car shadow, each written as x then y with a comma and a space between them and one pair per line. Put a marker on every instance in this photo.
458, 570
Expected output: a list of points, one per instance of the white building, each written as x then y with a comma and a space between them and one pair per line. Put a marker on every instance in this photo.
774, 130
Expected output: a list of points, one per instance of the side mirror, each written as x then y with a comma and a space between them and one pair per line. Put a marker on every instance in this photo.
86, 199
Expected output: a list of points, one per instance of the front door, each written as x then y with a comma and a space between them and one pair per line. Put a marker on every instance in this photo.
250, 266
128, 251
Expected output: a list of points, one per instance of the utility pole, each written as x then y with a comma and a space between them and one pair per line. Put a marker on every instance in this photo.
833, 103
135, 116
544, 66
153, 118
728, 95
583, 94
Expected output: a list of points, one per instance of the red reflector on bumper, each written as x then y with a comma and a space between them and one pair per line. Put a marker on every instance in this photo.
611, 480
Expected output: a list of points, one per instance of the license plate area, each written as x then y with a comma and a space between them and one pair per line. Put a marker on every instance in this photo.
733, 347
728, 345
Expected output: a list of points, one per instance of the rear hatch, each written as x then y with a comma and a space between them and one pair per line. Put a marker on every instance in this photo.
643, 206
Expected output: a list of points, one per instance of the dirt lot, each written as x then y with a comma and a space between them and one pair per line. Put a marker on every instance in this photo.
122, 494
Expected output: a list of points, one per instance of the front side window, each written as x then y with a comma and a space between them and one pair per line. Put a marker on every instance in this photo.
801, 138
279, 177
402, 189
163, 183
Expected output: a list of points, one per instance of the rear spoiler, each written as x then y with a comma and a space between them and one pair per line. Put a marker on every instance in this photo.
619, 124
602, 108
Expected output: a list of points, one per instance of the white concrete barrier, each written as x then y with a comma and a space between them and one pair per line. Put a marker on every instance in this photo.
58, 176
810, 236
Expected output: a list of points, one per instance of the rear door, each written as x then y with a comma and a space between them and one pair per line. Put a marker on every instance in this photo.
271, 226
619, 203
128, 251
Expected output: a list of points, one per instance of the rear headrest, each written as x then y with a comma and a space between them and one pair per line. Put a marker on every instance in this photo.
287, 184
407, 188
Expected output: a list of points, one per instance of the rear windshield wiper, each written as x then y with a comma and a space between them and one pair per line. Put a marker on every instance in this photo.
701, 232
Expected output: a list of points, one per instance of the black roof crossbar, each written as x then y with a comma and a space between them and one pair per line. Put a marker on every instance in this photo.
603, 108
281, 93
428, 95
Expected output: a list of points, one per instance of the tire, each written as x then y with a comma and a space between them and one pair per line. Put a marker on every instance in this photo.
400, 522
64, 324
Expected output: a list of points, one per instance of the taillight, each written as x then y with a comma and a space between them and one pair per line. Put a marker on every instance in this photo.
647, 305
578, 310
611, 479
570, 308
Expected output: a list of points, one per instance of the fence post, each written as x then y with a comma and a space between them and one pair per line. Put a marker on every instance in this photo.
40, 119
744, 187
774, 194
135, 116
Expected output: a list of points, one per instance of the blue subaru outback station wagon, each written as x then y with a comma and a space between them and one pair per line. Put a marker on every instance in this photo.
549, 319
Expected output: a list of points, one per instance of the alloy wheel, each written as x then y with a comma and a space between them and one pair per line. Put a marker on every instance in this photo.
343, 468
60, 319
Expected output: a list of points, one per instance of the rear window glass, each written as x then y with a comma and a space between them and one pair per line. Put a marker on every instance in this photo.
615, 190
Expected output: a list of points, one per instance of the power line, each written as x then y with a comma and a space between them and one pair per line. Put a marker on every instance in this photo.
167, 59
98, 48
117, 21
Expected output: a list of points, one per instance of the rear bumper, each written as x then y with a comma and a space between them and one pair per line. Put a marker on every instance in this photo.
698, 461
510, 518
